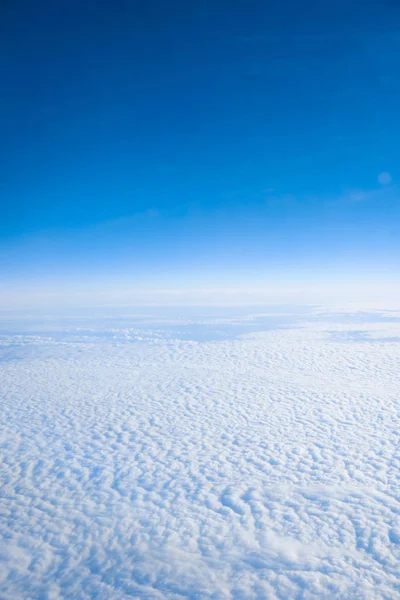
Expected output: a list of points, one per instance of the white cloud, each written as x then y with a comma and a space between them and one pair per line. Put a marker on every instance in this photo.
138, 464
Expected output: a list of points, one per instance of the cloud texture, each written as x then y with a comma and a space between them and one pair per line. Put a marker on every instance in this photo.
139, 465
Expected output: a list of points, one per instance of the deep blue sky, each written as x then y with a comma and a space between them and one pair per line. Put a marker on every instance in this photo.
188, 143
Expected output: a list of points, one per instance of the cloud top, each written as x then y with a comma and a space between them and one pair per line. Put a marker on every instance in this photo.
139, 462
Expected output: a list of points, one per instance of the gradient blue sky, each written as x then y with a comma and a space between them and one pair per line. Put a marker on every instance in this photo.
180, 145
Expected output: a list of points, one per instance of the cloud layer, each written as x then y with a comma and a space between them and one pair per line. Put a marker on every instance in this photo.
139, 465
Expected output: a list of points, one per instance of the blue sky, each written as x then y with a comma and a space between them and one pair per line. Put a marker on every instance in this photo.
186, 145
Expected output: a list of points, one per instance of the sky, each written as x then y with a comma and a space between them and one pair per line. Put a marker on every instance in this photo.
169, 151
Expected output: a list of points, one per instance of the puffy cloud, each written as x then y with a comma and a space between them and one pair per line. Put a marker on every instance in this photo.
139, 462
